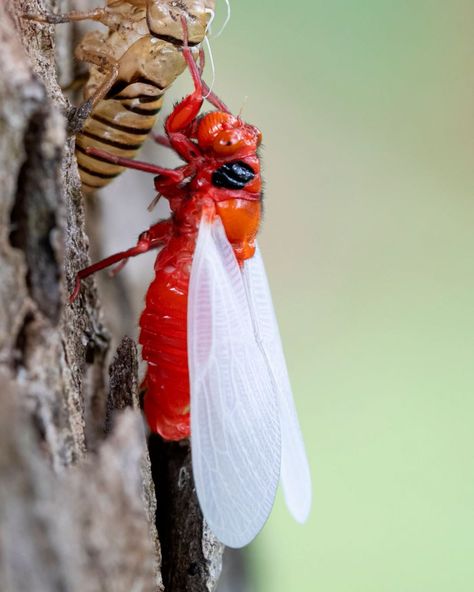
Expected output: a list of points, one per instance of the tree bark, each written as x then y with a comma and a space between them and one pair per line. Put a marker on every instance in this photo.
77, 500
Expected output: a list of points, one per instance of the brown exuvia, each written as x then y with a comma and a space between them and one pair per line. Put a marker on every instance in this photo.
131, 66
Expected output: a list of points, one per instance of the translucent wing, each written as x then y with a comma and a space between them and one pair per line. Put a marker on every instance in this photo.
295, 475
235, 428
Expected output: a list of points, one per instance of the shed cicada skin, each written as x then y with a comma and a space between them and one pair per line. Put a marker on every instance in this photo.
131, 66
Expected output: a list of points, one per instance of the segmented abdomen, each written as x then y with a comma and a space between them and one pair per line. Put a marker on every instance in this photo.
119, 126
163, 337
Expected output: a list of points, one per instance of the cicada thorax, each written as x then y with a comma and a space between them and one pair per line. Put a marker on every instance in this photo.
144, 44
233, 178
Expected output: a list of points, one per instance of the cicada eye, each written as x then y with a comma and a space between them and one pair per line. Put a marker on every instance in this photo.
229, 141
233, 175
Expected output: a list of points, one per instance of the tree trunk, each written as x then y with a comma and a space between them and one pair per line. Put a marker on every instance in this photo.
77, 500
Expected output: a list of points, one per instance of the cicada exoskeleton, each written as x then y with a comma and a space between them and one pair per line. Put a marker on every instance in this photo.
131, 66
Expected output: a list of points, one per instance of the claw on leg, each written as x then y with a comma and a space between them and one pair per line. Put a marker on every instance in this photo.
77, 288
78, 116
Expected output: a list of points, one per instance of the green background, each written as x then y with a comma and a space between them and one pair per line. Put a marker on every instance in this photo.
366, 112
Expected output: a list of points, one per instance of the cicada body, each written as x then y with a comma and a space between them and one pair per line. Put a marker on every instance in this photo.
216, 370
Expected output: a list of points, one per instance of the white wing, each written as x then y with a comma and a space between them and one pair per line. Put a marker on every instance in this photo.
235, 428
295, 475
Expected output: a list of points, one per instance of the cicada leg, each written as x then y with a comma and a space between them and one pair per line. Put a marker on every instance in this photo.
153, 238
172, 176
162, 140
186, 111
79, 115
104, 62
209, 95
183, 116
97, 14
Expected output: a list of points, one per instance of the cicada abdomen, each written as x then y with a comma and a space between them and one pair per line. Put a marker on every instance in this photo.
131, 66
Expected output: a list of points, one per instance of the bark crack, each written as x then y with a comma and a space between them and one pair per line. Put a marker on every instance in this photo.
33, 216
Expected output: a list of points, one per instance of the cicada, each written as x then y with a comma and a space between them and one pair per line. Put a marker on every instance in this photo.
216, 371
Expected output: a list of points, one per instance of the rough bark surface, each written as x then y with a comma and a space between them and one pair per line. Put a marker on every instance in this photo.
192, 556
77, 500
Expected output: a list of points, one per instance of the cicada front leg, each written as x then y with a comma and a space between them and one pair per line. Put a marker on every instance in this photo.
110, 67
78, 116
184, 114
97, 14
186, 111
179, 124
209, 95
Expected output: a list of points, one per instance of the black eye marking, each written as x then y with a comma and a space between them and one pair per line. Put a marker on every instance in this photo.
233, 175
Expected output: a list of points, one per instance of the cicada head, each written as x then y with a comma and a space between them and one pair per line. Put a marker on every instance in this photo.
227, 136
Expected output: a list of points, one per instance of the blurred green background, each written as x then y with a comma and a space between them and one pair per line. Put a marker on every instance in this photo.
366, 111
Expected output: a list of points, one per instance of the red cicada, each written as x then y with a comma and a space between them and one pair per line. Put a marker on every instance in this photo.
216, 370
